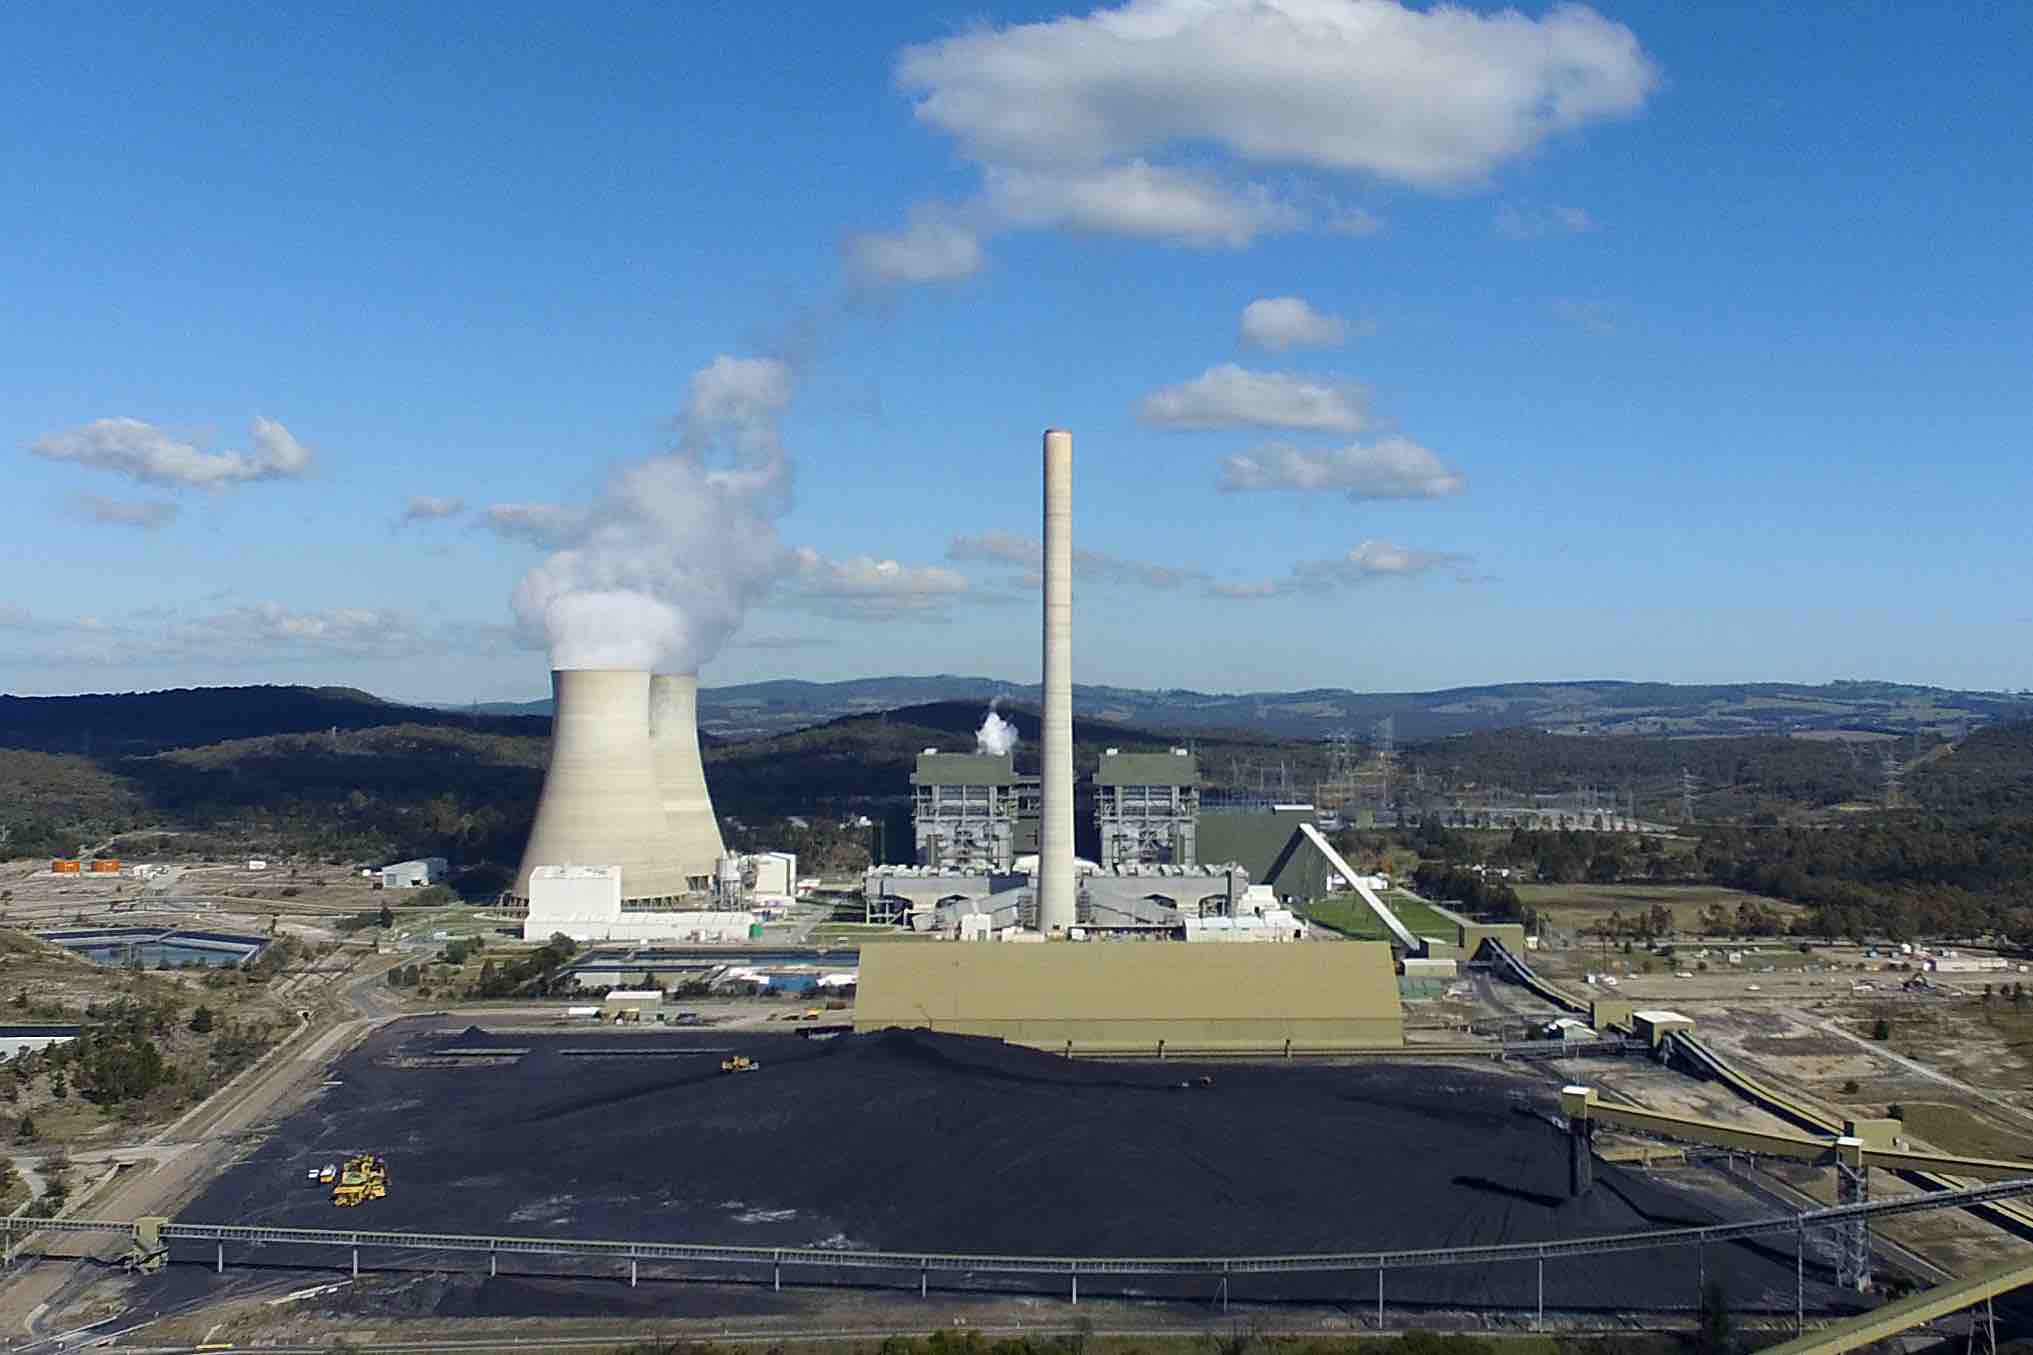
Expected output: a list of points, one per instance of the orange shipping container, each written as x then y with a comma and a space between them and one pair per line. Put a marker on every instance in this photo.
104, 866
64, 867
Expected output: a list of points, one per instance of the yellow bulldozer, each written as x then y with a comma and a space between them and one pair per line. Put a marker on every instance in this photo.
361, 1179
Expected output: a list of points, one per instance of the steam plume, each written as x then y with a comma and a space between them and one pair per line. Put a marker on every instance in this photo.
660, 570
996, 735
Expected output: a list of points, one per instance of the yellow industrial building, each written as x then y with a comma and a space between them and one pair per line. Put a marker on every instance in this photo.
1124, 998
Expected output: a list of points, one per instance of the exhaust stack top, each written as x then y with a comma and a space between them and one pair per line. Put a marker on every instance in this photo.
600, 804
1056, 885
694, 845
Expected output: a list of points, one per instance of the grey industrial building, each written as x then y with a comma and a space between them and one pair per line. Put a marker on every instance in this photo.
972, 811
1265, 841
1147, 808
416, 874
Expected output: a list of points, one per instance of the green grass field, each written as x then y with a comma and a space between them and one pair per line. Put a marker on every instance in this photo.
1577, 905
1349, 915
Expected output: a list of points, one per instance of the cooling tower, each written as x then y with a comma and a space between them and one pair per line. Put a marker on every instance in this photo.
693, 844
600, 804
1056, 900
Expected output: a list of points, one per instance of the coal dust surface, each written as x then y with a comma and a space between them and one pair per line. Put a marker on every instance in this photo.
914, 1142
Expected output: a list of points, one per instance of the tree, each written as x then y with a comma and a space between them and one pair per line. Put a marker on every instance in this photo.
386, 919
201, 1021
1882, 1030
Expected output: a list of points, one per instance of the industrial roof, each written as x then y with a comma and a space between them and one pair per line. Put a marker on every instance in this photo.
967, 769
1148, 769
1122, 992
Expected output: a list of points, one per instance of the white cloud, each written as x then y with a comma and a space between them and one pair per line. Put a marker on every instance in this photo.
871, 586
1367, 561
248, 634
276, 451
1392, 468
1229, 396
932, 248
147, 514
540, 524
145, 453
998, 547
1142, 199
1429, 97
1352, 221
1028, 554
1375, 560
1594, 316
431, 508
1149, 118
1536, 223
1281, 322
737, 393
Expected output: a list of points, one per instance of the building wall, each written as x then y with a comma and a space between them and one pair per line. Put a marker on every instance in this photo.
18, 1040
414, 874
1102, 995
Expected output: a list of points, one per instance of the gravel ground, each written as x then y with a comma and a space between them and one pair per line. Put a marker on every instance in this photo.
916, 1142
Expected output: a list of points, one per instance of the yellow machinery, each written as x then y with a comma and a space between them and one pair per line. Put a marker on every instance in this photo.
363, 1178
739, 1063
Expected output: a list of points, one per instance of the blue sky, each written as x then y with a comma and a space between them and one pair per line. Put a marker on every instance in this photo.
1650, 341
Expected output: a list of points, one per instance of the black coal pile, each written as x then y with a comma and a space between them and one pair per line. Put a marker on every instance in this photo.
912, 1142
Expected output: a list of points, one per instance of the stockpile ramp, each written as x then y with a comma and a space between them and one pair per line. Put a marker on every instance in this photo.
1412, 944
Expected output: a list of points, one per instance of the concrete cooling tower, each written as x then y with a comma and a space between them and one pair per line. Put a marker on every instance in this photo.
601, 805
694, 841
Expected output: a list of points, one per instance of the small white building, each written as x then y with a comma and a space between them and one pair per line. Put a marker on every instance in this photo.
416, 874
18, 1040
772, 877
584, 903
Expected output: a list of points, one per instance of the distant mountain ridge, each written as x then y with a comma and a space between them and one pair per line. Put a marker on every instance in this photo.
118, 723
756, 709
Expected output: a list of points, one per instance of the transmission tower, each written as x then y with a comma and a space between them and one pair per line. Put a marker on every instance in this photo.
1686, 796
1387, 753
1893, 770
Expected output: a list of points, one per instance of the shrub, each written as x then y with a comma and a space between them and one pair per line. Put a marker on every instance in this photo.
1882, 1030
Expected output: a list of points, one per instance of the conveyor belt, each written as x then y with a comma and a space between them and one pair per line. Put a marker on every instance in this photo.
1909, 1312
1928, 1171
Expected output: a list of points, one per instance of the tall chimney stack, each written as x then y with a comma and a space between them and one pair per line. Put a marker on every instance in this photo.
1055, 885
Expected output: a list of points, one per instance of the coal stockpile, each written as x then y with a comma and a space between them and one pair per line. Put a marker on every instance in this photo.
912, 1142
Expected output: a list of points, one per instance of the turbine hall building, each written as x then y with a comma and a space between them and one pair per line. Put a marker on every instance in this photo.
972, 811
1147, 808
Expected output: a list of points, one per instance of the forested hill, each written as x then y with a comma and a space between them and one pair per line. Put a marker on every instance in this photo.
1990, 772
755, 709
111, 724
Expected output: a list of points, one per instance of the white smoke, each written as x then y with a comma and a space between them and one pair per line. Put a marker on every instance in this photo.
996, 736
660, 570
